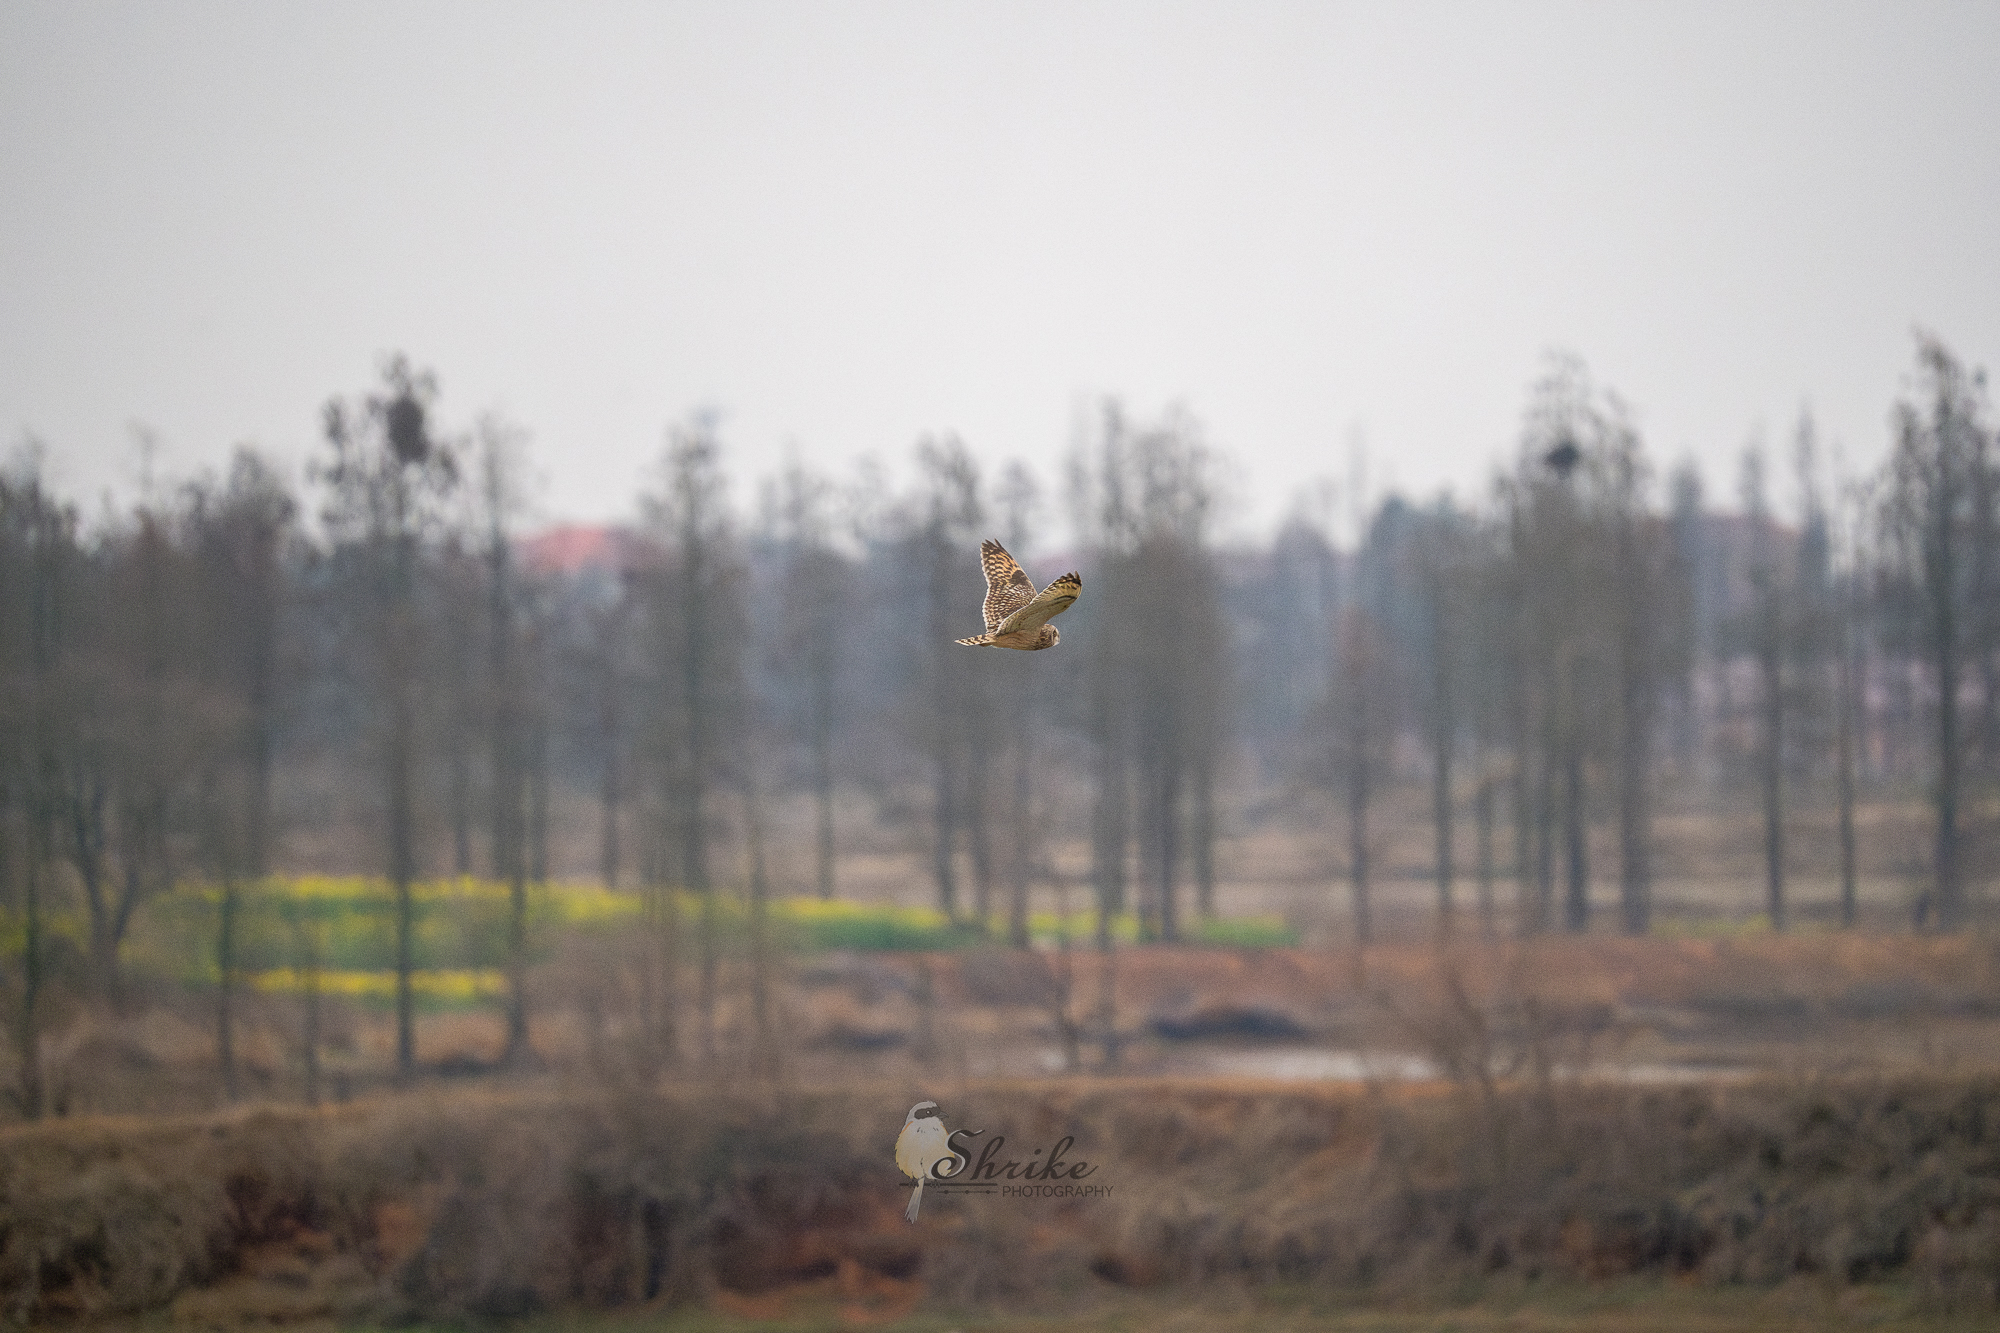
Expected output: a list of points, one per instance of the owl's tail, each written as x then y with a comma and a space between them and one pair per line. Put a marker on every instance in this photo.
977, 641
916, 1202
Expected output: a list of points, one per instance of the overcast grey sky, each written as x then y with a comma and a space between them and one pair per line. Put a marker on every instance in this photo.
845, 225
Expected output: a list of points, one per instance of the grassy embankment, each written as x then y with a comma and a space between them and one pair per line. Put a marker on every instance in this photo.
1298, 1205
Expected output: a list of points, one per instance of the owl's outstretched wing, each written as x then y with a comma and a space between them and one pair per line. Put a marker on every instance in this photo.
1008, 588
1052, 601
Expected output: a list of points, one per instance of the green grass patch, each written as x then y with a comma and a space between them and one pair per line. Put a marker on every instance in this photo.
816, 924
342, 930
1712, 927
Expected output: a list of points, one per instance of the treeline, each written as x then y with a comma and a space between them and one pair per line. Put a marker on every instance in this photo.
210, 684
1581, 643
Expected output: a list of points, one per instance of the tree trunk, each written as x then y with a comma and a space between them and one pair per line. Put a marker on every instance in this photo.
978, 804
1110, 835
1844, 761
1357, 668
1527, 867
225, 991
1169, 850
1773, 765
1021, 861
765, 1059
402, 872
1204, 834
538, 797
822, 754
517, 1049
694, 814
1945, 652
32, 1096
1637, 677
1108, 856
1441, 825
305, 965
1635, 832
944, 832
1064, 990
1358, 795
86, 821
1444, 729
1482, 815
509, 861
461, 808
1545, 842
611, 726
1576, 838
260, 693
944, 729
667, 923
610, 794
1107, 993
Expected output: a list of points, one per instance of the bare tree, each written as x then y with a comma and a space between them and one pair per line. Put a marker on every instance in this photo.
1018, 498
1652, 626
240, 537
1442, 551
764, 969
814, 597
39, 563
697, 616
596, 609
115, 778
513, 714
1361, 703
1548, 578
158, 724
1766, 632
1488, 660
1933, 488
464, 706
944, 527
1098, 487
1590, 579
1849, 518
385, 483
1158, 664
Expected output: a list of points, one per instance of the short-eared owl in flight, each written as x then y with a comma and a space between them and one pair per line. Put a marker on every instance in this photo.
1016, 615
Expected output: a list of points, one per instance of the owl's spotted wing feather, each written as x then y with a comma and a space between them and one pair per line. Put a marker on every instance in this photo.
1008, 588
1052, 601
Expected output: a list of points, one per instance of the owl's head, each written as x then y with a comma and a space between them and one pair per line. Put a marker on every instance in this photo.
1051, 636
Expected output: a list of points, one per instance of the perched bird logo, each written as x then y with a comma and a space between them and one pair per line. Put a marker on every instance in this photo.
1016, 615
922, 1147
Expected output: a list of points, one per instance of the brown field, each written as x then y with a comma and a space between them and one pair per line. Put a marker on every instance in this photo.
1715, 1127
1539, 1204
1758, 1131
1591, 1007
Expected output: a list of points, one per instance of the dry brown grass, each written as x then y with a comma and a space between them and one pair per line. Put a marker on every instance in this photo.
756, 1199
1832, 1002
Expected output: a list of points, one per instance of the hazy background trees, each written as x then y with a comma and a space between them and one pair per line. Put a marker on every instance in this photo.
694, 703
244, 539
1146, 496
207, 687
